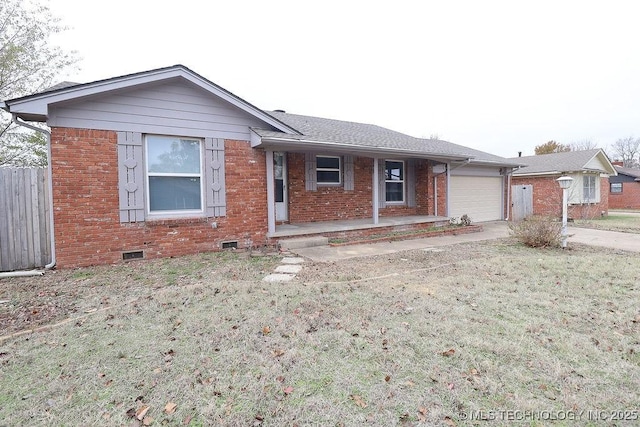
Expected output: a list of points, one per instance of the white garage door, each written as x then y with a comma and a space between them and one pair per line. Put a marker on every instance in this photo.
480, 197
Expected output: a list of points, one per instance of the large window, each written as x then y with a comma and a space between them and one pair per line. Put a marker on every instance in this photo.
616, 187
328, 170
589, 188
174, 174
394, 181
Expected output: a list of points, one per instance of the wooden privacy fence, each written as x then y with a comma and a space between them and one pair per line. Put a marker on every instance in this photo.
24, 218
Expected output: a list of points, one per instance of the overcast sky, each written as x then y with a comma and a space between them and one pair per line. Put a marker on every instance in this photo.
498, 76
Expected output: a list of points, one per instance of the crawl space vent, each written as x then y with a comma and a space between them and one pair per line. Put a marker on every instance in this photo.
229, 245
132, 255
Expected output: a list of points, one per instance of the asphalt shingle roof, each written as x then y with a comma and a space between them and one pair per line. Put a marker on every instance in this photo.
568, 161
367, 135
628, 171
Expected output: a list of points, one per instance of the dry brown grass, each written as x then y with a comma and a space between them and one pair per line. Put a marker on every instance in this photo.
420, 336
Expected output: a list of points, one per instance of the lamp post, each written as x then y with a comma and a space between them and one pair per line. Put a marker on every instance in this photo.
565, 183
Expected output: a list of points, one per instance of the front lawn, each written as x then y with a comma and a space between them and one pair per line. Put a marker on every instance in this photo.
626, 222
433, 336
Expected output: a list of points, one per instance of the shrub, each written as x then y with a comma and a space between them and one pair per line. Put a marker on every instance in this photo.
537, 232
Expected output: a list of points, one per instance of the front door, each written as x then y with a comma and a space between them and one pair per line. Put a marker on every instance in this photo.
280, 176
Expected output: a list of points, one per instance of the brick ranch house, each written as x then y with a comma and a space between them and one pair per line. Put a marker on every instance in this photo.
624, 189
536, 188
166, 163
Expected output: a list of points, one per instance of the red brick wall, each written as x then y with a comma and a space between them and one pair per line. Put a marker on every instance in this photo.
86, 205
334, 203
547, 198
628, 199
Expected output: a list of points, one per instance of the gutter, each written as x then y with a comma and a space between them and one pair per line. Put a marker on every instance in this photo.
52, 240
304, 145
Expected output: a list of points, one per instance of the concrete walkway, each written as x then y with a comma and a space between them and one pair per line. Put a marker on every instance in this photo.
491, 230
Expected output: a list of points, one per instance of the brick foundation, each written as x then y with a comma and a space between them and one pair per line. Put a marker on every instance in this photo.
86, 205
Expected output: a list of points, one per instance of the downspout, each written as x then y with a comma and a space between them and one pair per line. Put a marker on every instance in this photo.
47, 136
509, 194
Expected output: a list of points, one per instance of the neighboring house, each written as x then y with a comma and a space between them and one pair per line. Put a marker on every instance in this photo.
589, 192
165, 163
624, 189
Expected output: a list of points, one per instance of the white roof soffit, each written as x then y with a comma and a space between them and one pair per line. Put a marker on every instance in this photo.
37, 105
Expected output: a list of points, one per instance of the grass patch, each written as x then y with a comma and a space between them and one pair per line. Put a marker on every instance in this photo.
411, 337
614, 222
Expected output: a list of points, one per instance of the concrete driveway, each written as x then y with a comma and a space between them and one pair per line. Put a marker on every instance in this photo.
491, 230
607, 239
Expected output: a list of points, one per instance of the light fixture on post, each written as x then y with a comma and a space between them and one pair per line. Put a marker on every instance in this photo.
565, 183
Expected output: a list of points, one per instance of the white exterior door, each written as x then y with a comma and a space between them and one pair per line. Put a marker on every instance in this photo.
280, 177
480, 197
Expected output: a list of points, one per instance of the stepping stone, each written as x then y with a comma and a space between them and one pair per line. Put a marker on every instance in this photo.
278, 277
292, 260
289, 268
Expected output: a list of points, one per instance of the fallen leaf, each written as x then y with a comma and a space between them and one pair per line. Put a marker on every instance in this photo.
422, 410
448, 421
288, 390
187, 420
387, 378
278, 353
448, 353
358, 401
142, 411
170, 408
147, 421
280, 378
451, 386
266, 330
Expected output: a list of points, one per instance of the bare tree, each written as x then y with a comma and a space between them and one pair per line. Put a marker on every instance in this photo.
585, 144
28, 64
627, 150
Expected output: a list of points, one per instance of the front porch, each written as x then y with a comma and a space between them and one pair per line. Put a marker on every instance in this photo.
359, 227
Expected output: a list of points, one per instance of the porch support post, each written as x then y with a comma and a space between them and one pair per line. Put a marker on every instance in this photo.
447, 185
271, 194
375, 185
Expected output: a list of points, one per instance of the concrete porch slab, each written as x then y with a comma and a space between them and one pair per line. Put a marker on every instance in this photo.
303, 242
307, 228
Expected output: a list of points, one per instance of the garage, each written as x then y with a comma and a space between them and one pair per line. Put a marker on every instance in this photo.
480, 197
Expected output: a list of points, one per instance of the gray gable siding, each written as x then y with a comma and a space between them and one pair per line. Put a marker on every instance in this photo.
175, 108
